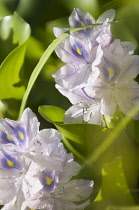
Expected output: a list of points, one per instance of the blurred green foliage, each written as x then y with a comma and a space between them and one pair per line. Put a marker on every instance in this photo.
42, 16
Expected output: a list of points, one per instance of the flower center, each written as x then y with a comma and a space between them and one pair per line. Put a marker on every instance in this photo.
21, 135
48, 180
79, 51
10, 163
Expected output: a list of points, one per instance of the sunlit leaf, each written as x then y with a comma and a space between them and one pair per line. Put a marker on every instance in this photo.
35, 48
11, 66
114, 189
123, 207
83, 133
52, 113
21, 29
9, 74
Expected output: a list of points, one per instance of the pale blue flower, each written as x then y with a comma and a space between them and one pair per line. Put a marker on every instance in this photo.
80, 18
59, 191
18, 136
82, 50
24, 138
17, 175
81, 58
115, 85
36, 173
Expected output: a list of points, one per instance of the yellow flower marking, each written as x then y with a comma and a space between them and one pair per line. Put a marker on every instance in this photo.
9, 138
111, 71
82, 24
79, 51
10, 163
48, 180
21, 135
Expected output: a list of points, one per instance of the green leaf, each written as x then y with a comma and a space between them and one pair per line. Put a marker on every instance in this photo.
114, 189
99, 146
81, 133
11, 66
9, 74
34, 43
52, 113
123, 208
21, 29
80, 138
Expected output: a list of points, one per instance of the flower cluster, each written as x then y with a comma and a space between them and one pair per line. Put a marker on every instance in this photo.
36, 172
99, 73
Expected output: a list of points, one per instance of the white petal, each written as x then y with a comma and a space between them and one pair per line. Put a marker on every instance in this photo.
30, 186
108, 103
70, 76
118, 47
59, 31
70, 168
110, 14
65, 53
77, 16
7, 191
75, 96
47, 136
130, 47
74, 114
60, 204
77, 190
31, 123
130, 68
84, 112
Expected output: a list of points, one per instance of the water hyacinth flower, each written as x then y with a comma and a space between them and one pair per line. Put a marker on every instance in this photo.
85, 109
18, 136
81, 59
23, 137
16, 176
76, 49
82, 49
80, 18
36, 170
94, 80
84, 112
115, 85
59, 191
100, 33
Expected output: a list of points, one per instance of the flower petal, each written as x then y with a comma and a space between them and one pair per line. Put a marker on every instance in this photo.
79, 18
109, 14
